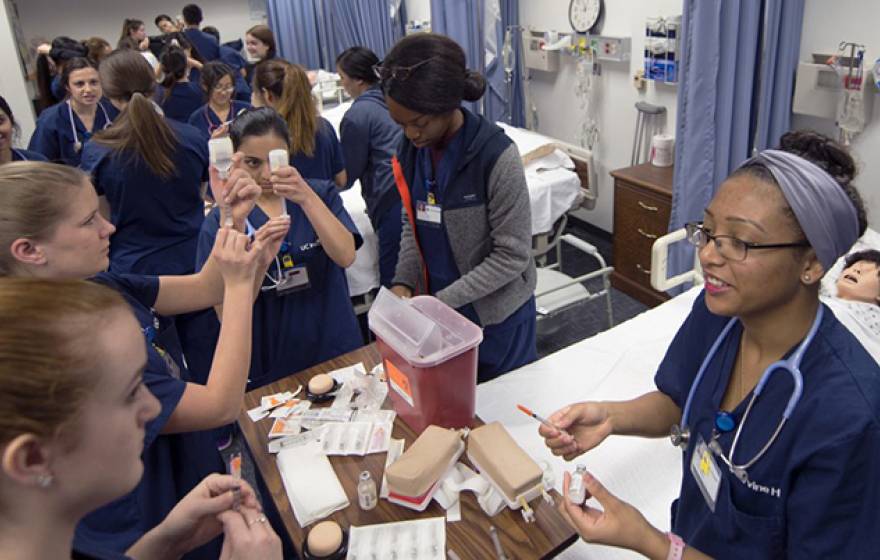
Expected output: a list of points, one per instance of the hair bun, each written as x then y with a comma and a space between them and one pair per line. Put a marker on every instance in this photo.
822, 151
474, 85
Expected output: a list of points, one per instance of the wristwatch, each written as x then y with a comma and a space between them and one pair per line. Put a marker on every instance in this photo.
676, 547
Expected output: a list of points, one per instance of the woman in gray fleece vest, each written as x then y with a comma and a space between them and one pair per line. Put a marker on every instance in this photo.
466, 224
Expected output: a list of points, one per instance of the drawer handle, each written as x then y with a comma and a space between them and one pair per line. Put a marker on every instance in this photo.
648, 235
643, 270
646, 207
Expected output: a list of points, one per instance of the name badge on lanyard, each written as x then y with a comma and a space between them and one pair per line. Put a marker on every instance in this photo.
428, 212
706, 472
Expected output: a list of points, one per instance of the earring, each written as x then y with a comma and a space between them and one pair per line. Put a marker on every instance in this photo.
44, 480
806, 277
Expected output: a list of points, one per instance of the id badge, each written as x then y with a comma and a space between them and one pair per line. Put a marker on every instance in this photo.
706, 472
429, 214
294, 280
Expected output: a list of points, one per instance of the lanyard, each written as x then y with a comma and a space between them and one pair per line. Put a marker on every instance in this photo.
77, 145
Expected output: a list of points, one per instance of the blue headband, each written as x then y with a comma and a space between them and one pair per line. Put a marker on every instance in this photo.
824, 211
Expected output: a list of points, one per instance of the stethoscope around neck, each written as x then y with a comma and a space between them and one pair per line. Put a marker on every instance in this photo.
77, 145
680, 434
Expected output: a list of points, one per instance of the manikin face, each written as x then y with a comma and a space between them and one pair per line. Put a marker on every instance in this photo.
860, 282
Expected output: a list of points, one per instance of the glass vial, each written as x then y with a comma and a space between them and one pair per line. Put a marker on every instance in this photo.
577, 492
366, 491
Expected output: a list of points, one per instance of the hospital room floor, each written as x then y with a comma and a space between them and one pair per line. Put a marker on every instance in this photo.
583, 320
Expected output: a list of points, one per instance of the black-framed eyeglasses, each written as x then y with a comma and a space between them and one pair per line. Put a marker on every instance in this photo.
399, 73
729, 247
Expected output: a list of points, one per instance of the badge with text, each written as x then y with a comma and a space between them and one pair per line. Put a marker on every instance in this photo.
706, 472
429, 214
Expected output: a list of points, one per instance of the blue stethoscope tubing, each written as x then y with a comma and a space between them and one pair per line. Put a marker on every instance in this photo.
791, 365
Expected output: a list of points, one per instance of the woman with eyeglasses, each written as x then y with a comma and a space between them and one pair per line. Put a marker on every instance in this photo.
774, 403
303, 315
314, 148
467, 234
63, 129
218, 85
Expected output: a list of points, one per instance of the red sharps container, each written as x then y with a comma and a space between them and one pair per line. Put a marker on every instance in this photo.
429, 351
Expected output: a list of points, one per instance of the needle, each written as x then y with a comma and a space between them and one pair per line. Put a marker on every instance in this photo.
540, 419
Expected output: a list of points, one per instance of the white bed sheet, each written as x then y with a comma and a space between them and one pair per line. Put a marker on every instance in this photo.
616, 364
363, 274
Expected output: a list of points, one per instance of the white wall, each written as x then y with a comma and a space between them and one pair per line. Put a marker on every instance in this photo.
826, 24
12, 82
79, 19
558, 108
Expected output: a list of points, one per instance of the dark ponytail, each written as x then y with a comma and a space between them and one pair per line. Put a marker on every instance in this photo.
127, 76
440, 82
357, 63
174, 65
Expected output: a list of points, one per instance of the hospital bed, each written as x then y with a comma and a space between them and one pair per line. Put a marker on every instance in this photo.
558, 178
617, 364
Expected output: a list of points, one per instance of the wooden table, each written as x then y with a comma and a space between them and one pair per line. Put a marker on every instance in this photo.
544, 538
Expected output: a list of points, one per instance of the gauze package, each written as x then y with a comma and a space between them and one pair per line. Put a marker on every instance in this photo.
311, 483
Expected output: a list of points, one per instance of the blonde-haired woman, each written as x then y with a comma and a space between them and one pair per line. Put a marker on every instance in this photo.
50, 228
314, 147
72, 431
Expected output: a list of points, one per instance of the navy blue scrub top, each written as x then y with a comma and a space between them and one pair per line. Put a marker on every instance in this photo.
327, 160
120, 523
56, 138
207, 121
207, 45
157, 220
506, 345
816, 492
296, 331
185, 98
27, 155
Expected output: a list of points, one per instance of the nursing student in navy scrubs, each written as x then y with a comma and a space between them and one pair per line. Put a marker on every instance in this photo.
218, 86
467, 237
178, 96
207, 45
314, 147
303, 315
149, 172
63, 129
369, 140
9, 132
51, 228
755, 485
87, 452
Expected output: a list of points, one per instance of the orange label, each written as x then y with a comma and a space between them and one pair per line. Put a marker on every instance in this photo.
399, 382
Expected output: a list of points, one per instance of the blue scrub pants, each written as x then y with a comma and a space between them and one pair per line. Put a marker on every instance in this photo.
509, 344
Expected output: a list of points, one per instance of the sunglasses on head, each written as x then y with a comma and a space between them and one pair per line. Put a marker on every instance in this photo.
399, 73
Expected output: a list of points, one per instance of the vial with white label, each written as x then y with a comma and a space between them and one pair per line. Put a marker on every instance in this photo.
366, 491
577, 492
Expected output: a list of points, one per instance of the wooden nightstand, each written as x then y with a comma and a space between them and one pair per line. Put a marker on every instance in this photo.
642, 202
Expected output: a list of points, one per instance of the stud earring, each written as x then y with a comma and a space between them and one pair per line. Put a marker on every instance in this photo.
44, 480
806, 277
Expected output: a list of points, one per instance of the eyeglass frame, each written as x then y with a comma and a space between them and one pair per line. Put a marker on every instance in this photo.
691, 228
394, 70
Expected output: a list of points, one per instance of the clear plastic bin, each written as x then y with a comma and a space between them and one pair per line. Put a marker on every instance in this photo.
429, 351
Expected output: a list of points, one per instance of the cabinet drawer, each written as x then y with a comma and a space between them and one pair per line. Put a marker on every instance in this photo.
639, 219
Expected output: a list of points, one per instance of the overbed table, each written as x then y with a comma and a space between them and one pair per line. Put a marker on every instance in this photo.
469, 538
